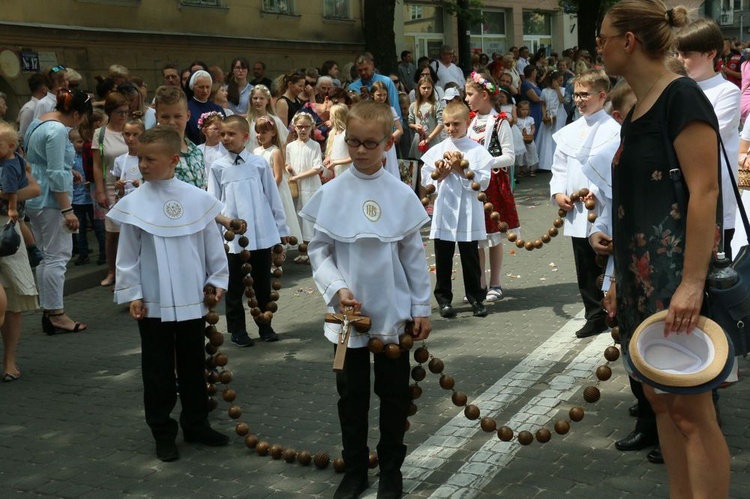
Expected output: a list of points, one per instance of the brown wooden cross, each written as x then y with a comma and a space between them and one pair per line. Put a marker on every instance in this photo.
347, 319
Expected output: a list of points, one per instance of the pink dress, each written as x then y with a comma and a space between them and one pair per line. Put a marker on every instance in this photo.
745, 91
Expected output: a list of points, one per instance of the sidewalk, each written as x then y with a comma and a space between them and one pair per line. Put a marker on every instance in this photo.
73, 424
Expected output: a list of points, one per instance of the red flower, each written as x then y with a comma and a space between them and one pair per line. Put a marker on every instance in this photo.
472, 114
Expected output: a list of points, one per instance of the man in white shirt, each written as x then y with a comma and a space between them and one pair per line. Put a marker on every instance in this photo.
38, 88
523, 60
446, 70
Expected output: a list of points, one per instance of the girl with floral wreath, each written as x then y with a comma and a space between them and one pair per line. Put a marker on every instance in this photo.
493, 131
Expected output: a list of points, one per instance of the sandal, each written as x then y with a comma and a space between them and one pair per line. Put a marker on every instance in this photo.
494, 294
51, 329
8, 377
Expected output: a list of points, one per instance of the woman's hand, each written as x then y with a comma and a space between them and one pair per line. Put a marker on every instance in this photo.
71, 221
101, 199
684, 308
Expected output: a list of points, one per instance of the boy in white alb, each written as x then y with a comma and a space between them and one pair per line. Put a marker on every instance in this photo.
371, 260
170, 249
577, 143
458, 215
244, 183
125, 169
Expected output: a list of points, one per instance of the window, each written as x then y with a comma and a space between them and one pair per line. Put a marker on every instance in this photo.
537, 30
415, 12
423, 29
337, 9
203, 3
488, 36
278, 6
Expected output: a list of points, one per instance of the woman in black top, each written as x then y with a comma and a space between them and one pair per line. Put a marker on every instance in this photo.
289, 102
661, 258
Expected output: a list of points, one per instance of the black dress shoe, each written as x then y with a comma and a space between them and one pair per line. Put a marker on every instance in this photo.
591, 328
268, 335
352, 485
167, 451
655, 456
479, 309
633, 410
446, 310
391, 485
207, 436
636, 440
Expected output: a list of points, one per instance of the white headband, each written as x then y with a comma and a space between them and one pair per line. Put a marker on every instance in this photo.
199, 74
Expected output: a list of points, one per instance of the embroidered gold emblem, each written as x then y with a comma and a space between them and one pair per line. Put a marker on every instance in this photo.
372, 210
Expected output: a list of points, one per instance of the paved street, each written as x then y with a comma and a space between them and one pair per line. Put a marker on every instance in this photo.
73, 425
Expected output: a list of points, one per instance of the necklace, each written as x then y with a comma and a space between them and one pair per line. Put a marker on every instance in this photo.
648, 92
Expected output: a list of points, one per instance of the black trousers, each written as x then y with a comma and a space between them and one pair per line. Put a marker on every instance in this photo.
472, 272
163, 343
392, 387
646, 422
235, 298
728, 236
587, 271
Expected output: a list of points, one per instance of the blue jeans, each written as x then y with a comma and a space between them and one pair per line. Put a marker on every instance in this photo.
85, 213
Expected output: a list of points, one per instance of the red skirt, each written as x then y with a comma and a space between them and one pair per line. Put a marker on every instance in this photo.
500, 195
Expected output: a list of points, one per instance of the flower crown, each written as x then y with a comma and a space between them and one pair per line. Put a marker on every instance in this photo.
206, 116
265, 119
490, 87
303, 113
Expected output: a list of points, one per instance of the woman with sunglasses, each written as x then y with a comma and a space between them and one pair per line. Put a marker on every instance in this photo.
51, 155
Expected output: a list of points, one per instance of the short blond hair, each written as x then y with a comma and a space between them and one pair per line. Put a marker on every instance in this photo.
595, 78
167, 136
168, 95
456, 110
372, 112
8, 132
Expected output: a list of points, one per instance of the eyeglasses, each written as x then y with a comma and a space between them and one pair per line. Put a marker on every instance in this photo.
583, 95
602, 40
368, 144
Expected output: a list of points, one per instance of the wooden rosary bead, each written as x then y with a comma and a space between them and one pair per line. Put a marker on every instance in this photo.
221, 359
562, 427
488, 424
503, 227
210, 349
418, 373
338, 465
211, 301
251, 441
212, 318
590, 204
252, 303
236, 224
302, 247
246, 268
225, 377
471, 412
459, 399
552, 231
525, 437
241, 429
436, 365
276, 451
249, 293
243, 241
576, 414
505, 434
289, 455
276, 285
375, 345
543, 435
274, 296
430, 189
272, 306
592, 216
538, 244
392, 351
435, 175
495, 216
262, 448
615, 333
304, 458
293, 240
591, 394
512, 237
212, 403
612, 353
447, 382
464, 164
520, 243
421, 355
425, 201
244, 255
406, 341
415, 391
210, 389
229, 395
476, 186
234, 412
562, 213
575, 196
412, 410
469, 174
488, 207
482, 197
546, 238
229, 235
278, 261
210, 330
373, 460
583, 192
603, 373
277, 249
558, 222
529, 245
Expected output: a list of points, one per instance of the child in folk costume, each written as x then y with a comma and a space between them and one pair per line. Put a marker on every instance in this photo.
553, 119
245, 184
459, 215
494, 132
304, 164
337, 154
576, 144
528, 160
170, 249
267, 135
371, 260
379, 93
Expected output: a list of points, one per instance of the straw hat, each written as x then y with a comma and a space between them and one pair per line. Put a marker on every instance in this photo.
681, 363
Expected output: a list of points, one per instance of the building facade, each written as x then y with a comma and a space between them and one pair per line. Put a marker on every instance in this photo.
143, 35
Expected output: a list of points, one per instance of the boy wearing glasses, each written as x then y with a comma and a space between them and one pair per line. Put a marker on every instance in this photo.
367, 256
577, 143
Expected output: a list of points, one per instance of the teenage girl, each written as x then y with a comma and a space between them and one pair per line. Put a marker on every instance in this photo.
261, 106
270, 148
289, 102
337, 152
425, 118
492, 130
379, 93
304, 163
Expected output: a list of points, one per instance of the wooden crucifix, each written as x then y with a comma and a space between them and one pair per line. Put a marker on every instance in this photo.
348, 319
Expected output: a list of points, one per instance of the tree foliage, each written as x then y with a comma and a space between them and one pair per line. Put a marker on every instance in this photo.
590, 14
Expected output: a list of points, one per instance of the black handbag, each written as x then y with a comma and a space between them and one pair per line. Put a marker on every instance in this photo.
10, 240
727, 304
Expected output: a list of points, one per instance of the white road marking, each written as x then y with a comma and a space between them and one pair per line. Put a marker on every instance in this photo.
429, 456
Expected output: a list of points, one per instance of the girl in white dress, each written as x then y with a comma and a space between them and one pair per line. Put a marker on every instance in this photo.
212, 148
260, 105
379, 93
337, 152
506, 106
553, 119
304, 163
270, 149
525, 124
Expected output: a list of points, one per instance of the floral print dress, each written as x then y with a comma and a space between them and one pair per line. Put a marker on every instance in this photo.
649, 229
